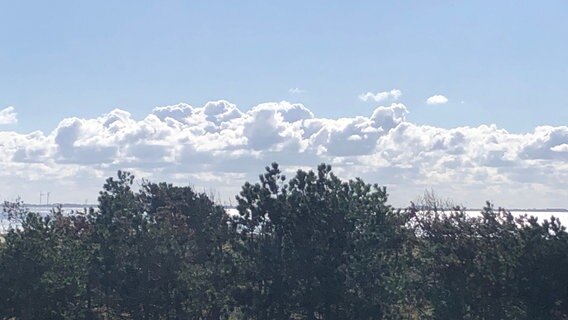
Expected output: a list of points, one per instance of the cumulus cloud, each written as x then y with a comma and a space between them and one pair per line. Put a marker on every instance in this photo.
437, 99
394, 94
220, 146
560, 148
546, 143
8, 116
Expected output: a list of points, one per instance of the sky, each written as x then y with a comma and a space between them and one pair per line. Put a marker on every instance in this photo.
466, 98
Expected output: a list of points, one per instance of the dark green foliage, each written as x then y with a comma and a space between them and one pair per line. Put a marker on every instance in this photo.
43, 267
159, 253
492, 266
311, 247
317, 247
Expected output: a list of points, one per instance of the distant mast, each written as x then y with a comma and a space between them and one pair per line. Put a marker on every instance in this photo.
41, 194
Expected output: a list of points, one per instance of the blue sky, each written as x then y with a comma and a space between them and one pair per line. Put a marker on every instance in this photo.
495, 62
505, 60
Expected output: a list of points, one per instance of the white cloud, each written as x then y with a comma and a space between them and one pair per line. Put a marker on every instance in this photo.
560, 148
394, 94
296, 90
437, 99
208, 145
8, 116
547, 143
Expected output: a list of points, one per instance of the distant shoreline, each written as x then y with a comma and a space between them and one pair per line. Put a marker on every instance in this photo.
555, 210
89, 205
63, 205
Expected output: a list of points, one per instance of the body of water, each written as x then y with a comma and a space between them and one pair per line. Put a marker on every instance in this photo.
541, 215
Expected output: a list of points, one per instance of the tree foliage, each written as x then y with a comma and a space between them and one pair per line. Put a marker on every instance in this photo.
310, 247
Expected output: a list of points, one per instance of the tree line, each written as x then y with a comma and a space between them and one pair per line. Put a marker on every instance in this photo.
310, 247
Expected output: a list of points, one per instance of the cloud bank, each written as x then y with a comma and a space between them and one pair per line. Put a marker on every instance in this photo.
218, 146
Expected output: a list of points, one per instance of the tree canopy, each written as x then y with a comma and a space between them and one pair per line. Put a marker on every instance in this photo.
309, 247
